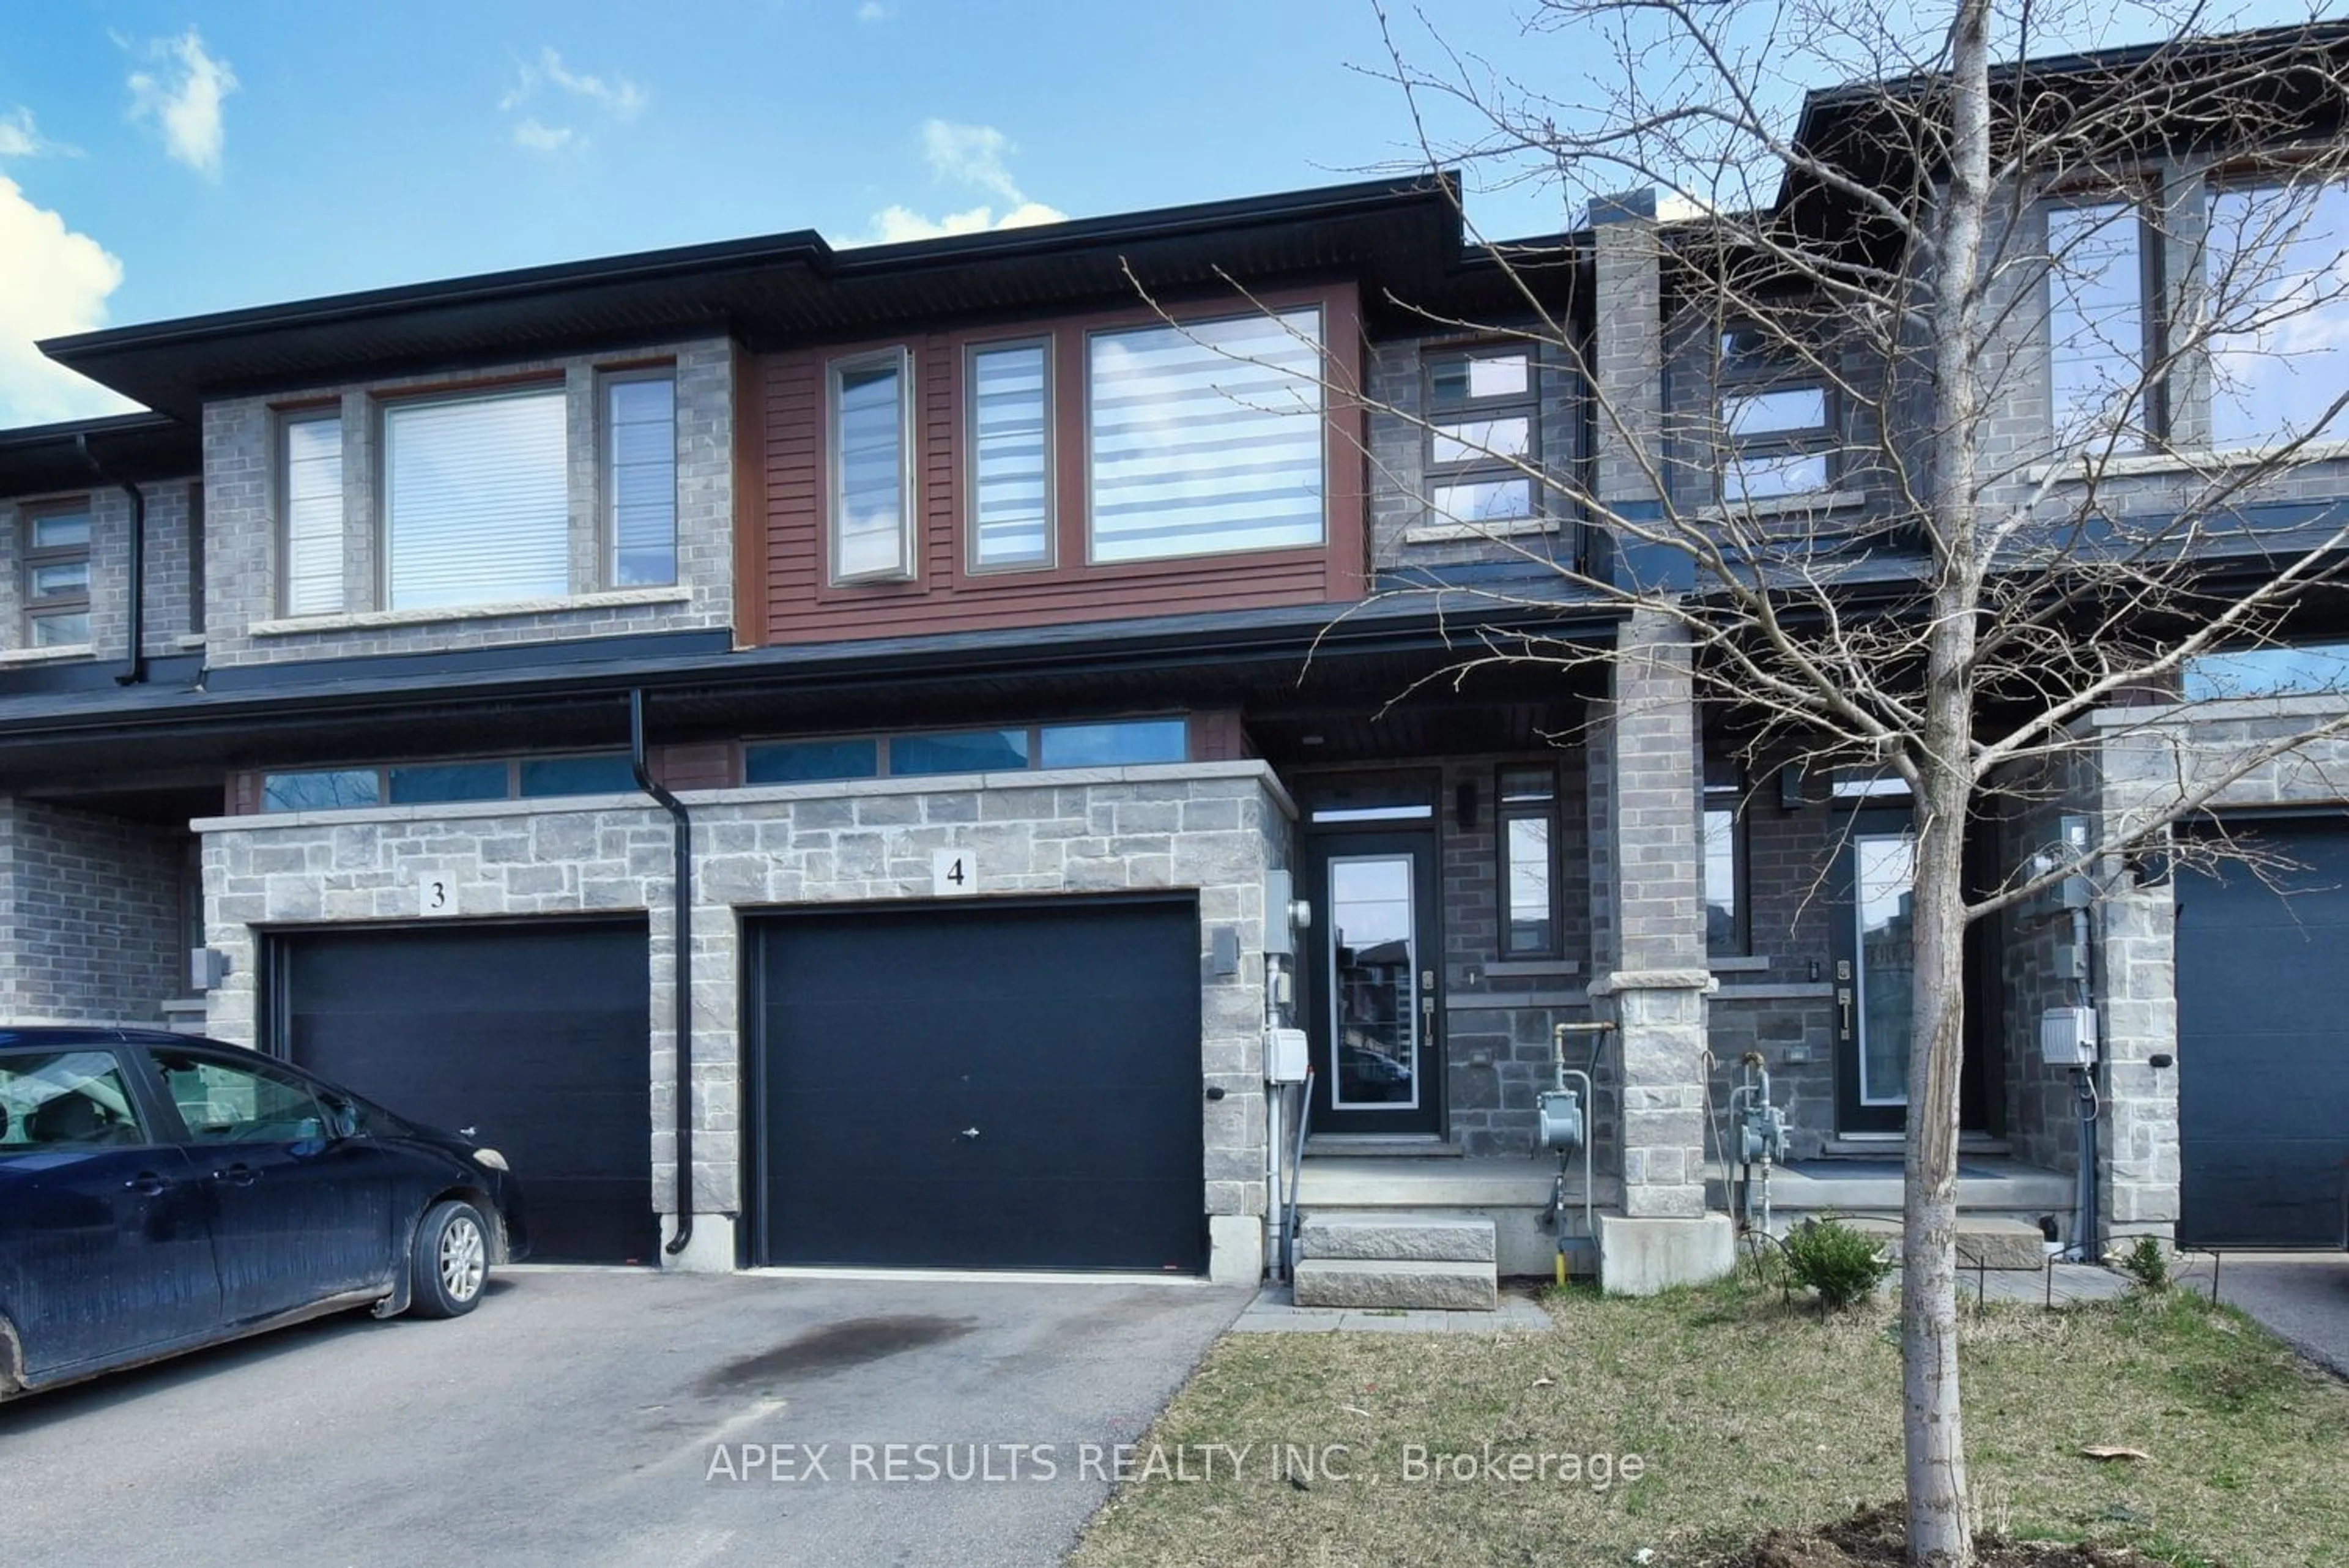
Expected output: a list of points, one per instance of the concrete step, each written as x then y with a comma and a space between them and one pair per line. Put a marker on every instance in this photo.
1424, 1238
1400, 1284
1984, 1241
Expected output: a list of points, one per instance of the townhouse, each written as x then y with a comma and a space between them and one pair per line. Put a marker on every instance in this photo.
848, 758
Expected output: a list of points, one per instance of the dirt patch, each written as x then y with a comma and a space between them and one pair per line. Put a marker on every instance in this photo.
1877, 1538
835, 1347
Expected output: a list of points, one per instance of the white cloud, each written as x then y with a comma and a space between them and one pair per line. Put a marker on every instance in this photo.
184, 95
617, 97
57, 283
540, 138
874, 11
972, 156
19, 138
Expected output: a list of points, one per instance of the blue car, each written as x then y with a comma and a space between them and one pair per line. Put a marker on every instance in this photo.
161, 1193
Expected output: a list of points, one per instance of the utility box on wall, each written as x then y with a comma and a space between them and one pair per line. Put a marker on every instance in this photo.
2068, 1037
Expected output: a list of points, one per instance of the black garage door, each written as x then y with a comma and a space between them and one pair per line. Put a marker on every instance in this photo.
536, 1036
2263, 1045
982, 1086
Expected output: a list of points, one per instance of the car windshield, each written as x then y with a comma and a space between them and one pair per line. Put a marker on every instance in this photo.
63, 1099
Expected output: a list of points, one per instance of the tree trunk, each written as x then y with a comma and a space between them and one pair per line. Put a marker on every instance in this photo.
1940, 1525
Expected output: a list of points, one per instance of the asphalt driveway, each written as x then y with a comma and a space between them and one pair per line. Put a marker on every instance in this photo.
2302, 1298
619, 1418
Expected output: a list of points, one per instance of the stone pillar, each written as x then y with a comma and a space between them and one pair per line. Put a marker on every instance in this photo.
2138, 1158
1650, 964
1627, 367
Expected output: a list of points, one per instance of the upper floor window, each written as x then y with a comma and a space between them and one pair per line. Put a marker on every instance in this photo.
2099, 329
872, 503
1206, 437
1483, 427
1112, 742
2278, 310
56, 556
1776, 415
477, 499
311, 481
640, 478
1010, 436
439, 783
2317, 668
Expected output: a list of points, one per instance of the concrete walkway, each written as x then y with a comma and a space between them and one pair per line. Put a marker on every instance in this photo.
2302, 1298
1273, 1312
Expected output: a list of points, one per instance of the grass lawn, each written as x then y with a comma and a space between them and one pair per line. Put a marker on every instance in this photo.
1745, 1413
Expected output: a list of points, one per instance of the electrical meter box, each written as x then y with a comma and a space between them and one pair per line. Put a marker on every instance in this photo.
2068, 1037
1284, 1056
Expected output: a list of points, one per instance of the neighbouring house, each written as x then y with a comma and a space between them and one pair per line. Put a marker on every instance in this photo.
819, 755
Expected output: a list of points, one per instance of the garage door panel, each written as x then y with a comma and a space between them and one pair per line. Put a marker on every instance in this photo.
1065, 1036
2263, 1045
538, 1038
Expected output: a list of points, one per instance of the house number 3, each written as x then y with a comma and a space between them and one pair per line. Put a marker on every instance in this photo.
435, 895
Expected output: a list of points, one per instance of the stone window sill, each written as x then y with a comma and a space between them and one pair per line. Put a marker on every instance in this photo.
1737, 963
2089, 469
58, 655
1807, 503
1453, 533
1503, 967
361, 620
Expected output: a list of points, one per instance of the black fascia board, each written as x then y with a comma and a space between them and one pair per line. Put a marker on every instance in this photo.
37, 459
1169, 643
770, 290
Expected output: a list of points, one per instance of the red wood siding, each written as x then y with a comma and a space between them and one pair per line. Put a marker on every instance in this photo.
785, 594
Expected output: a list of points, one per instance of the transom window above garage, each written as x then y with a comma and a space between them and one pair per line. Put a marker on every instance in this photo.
1114, 742
442, 782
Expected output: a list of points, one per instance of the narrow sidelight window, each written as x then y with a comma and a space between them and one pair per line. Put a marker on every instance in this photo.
1205, 437
1011, 456
56, 575
1527, 822
640, 479
1725, 930
2096, 322
311, 485
871, 468
476, 500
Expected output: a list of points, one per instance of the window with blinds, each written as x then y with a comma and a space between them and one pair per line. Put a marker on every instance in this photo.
1011, 456
1207, 438
640, 479
872, 479
476, 500
312, 481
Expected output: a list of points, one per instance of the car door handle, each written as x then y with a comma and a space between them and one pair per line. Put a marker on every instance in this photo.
147, 1184
237, 1175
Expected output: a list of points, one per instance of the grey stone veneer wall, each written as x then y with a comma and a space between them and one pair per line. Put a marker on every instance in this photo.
242, 579
1216, 828
90, 910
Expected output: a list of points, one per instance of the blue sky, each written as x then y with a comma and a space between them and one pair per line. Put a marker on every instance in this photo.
166, 158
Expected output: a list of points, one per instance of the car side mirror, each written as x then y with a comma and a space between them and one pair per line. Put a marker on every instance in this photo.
342, 1120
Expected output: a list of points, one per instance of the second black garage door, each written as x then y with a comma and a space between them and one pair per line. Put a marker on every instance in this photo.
535, 1036
2263, 1045
981, 1086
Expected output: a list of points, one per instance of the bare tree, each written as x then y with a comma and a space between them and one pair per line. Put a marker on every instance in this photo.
1941, 250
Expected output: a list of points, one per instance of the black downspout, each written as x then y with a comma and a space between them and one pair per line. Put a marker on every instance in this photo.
134, 654
681, 945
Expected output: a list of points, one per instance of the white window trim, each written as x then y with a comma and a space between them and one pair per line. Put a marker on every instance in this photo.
900, 359
1052, 556
355, 620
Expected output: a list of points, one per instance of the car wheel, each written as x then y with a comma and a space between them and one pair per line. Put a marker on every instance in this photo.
450, 1261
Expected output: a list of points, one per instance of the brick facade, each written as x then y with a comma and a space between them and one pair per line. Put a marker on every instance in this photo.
91, 916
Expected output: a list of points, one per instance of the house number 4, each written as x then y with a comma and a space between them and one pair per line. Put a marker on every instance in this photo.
954, 874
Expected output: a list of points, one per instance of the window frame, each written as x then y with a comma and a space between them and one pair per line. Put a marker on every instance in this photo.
2142, 196
1480, 468
1723, 782
388, 406
1741, 376
31, 558
287, 419
1182, 322
607, 435
1047, 343
901, 359
1505, 812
